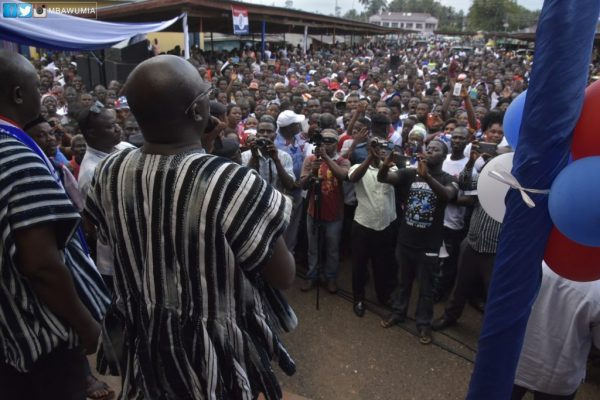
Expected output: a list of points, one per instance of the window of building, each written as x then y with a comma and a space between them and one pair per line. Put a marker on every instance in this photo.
394, 24
401, 24
409, 25
430, 26
419, 26
386, 24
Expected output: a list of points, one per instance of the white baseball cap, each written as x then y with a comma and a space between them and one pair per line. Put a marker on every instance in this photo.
288, 117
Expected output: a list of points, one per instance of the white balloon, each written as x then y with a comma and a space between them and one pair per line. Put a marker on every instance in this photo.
491, 192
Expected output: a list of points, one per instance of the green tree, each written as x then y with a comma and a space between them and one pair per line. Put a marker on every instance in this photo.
500, 15
354, 15
397, 6
373, 6
488, 15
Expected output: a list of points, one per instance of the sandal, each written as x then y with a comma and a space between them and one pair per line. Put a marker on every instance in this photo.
98, 390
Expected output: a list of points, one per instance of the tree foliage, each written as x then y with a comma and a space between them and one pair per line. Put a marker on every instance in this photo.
373, 6
486, 15
500, 15
355, 16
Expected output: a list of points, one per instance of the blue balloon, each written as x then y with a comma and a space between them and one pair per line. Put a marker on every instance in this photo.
574, 201
513, 118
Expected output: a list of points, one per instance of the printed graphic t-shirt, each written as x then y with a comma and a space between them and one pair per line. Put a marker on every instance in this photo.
422, 224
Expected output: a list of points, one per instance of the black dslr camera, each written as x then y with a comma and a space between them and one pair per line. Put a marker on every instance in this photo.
260, 143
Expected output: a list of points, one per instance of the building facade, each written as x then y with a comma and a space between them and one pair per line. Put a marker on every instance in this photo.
418, 22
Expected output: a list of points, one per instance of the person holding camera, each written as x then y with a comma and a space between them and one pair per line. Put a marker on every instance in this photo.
324, 171
374, 228
421, 231
273, 165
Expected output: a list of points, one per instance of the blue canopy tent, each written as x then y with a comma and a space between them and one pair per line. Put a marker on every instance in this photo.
554, 101
66, 32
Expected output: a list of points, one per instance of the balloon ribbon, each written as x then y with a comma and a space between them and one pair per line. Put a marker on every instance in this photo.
508, 178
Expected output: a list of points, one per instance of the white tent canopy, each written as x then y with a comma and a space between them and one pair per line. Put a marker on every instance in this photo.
66, 32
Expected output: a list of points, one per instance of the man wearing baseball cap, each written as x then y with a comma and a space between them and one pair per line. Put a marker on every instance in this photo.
330, 170
290, 141
122, 108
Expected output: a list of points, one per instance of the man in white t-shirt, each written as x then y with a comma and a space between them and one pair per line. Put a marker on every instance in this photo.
98, 127
563, 325
454, 218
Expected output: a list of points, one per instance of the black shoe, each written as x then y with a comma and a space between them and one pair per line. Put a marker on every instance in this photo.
478, 304
308, 285
391, 320
425, 335
442, 322
359, 308
332, 286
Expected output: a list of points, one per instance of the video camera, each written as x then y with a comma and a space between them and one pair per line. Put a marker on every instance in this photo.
316, 138
377, 142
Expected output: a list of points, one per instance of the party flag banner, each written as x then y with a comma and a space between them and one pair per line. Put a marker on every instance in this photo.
241, 26
542, 142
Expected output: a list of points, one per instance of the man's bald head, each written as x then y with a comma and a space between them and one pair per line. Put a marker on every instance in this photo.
19, 88
160, 90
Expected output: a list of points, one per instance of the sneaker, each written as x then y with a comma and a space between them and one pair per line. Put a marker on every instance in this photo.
359, 308
332, 286
308, 285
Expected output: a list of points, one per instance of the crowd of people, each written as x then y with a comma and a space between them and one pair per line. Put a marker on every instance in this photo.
367, 153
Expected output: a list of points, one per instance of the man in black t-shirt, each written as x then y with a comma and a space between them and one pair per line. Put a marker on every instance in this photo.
420, 234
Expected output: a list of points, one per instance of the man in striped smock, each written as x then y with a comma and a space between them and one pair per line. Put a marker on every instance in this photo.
197, 245
51, 295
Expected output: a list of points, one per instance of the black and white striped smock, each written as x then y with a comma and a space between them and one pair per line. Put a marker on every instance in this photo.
29, 196
189, 233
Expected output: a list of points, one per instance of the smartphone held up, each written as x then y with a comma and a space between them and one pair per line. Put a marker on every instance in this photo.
457, 89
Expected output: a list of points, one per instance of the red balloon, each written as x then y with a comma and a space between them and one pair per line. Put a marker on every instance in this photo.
572, 260
586, 137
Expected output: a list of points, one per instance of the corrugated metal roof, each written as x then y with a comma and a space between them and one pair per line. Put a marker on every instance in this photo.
215, 16
401, 16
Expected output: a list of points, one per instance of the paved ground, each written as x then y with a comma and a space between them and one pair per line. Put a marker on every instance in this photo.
342, 357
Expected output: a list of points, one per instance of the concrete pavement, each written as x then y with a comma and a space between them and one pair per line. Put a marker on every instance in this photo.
342, 357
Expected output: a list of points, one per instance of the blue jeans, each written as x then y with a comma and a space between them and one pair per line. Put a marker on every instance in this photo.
331, 232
